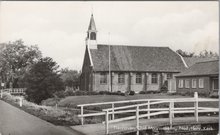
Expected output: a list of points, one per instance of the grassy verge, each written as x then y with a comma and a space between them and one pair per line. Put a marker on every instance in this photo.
56, 116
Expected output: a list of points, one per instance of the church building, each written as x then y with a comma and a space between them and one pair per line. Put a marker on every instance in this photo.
125, 68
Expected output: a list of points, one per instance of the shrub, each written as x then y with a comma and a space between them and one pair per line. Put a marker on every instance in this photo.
59, 94
149, 92
164, 87
131, 92
143, 92
69, 93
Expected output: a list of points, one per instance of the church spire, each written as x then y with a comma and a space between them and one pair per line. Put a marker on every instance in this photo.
91, 34
92, 26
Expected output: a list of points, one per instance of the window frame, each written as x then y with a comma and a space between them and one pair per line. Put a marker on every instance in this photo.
194, 83
169, 76
180, 83
213, 84
201, 83
138, 79
121, 78
103, 78
154, 77
187, 83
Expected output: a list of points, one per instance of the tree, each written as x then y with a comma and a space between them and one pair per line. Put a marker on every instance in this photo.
70, 77
208, 54
185, 54
43, 80
15, 60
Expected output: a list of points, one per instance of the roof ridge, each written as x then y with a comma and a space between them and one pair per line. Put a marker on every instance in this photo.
134, 46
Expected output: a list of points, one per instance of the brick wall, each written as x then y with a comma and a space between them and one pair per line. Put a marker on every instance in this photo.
132, 85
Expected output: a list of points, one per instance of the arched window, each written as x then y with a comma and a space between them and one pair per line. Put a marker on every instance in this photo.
93, 36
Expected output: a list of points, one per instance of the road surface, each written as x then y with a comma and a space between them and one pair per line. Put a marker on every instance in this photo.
14, 121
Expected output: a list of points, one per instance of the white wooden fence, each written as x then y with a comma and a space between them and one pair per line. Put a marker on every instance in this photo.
145, 106
14, 90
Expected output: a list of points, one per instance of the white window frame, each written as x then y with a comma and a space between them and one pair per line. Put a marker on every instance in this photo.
213, 85
121, 78
154, 77
103, 78
201, 82
194, 83
138, 78
187, 83
169, 75
180, 83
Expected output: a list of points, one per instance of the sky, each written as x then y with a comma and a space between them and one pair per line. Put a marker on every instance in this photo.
59, 28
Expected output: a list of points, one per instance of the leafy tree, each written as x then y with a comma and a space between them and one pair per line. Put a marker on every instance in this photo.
43, 80
185, 54
208, 54
70, 77
15, 60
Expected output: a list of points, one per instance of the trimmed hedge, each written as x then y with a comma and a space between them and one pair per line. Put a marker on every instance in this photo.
149, 92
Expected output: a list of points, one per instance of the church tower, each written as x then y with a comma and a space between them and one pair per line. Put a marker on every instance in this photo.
91, 39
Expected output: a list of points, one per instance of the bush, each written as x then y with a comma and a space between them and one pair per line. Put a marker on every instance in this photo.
214, 95
149, 92
164, 87
131, 93
69, 93
59, 94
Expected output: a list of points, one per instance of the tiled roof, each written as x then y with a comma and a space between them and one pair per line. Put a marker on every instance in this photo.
136, 58
193, 60
202, 68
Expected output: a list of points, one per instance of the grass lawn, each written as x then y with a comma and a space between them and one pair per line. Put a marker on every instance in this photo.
76, 100
73, 101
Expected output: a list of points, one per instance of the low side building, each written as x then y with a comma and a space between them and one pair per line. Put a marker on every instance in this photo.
201, 77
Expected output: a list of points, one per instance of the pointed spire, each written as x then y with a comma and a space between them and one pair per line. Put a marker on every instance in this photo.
92, 24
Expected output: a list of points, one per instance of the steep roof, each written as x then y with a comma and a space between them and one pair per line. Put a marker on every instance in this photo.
136, 58
92, 24
202, 68
193, 60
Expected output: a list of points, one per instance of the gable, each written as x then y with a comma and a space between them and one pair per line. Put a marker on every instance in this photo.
87, 61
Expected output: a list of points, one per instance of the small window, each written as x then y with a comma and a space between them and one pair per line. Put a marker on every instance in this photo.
154, 78
180, 85
138, 78
187, 83
93, 36
201, 83
194, 83
215, 84
169, 76
103, 78
121, 78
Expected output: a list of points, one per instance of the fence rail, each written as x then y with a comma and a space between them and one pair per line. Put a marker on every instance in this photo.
14, 90
145, 106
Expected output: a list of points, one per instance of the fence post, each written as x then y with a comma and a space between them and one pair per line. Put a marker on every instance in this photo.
106, 122
1, 93
171, 113
148, 107
113, 111
196, 104
82, 119
20, 101
137, 119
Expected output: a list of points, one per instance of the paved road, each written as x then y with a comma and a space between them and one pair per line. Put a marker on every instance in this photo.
14, 121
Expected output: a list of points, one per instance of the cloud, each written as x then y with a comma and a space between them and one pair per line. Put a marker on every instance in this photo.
178, 31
